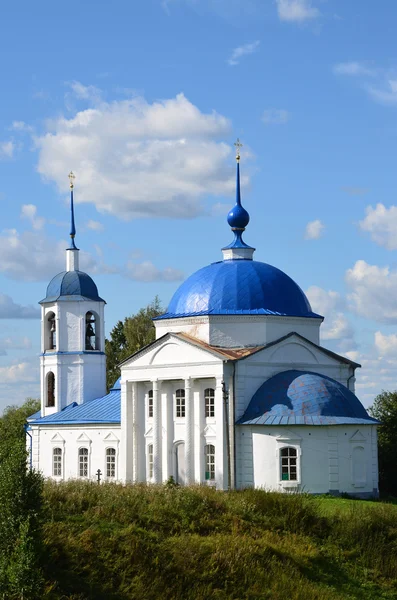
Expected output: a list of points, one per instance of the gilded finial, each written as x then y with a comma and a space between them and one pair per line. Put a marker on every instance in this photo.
72, 177
238, 145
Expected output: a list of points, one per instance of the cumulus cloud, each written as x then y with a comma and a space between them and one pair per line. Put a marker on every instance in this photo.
136, 159
353, 68
12, 343
20, 372
29, 212
373, 291
275, 116
296, 11
336, 326
95, 225
386, 345
146, 271
381, 223
7, 149
21, 126
314, 230
385, 93
241, 51
11, 310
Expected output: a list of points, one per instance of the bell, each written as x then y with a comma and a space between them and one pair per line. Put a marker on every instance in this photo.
52, 326
89, 332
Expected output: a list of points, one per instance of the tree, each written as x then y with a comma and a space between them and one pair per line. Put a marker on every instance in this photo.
21, 511
129, 336
385, 410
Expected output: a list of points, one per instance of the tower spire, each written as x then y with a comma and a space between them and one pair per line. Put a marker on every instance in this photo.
72, 253
238, 219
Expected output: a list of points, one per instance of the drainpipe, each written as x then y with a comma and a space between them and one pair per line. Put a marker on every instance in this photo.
26, 428
348, 380
225, 395
232, 427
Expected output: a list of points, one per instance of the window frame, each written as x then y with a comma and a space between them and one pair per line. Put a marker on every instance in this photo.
51, 341
180, 403
83, 451
209, 403
289, 483
150, 461
210, 465
111, 452
50, 375
94, 319
150, 404
58, 462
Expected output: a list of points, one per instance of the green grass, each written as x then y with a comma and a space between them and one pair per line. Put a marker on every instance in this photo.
146, 542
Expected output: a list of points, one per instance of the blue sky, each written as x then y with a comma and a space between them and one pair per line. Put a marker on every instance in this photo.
144, 101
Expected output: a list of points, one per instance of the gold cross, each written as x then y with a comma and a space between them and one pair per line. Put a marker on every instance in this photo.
238, 145
72, 177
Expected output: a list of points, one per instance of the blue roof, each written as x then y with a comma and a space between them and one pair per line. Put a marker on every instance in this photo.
239, 287
101, 410
304, 398
71, 285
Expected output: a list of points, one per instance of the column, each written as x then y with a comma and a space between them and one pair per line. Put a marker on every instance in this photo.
134, 430
198, 427
189, 436
126, 430
156, 433
220, 474
168, 430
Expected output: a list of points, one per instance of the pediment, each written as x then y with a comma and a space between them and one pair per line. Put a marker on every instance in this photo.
149, 432
111, 437
58, 438
83, 437
358, 436
209, 431
288, 436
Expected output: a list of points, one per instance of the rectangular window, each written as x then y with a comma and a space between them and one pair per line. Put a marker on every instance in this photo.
210, 462
150, 460
209, 397
150, 404
57, 462
110, 463
180, 403
289, 464
83, 462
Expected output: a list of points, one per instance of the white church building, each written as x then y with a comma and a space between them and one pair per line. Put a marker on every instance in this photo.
236, 391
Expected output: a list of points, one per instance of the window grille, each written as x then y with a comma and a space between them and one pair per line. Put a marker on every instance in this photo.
289, 470
150, 404
57, 462
83, 462
209, 397
110, 463
180, 403
150, 460
210, 462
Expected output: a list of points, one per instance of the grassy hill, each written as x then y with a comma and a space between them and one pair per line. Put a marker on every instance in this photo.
144, 542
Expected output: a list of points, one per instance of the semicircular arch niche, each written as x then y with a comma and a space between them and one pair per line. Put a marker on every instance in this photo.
293, 353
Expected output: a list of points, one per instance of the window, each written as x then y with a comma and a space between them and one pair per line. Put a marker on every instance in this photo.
110, 462
90, 331
150, 460
50, 389
180, 403
210, 462
209, 396
83, 462
57, 462
288, 464
150, 404
52, 332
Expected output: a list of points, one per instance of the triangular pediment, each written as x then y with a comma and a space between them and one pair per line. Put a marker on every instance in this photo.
209, 431
57, 438
149, 432
288, 436
358, 436
83, 437
111, 437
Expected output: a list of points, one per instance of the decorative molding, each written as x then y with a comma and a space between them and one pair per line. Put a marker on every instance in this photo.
358, 437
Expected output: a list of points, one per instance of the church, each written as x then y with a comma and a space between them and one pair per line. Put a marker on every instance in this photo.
236, 390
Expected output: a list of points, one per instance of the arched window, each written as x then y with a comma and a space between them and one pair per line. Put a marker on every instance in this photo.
289, 468
180, 403
83, 462
52, 331
50, 389
209, 397
57, 462
110, 463
150, 461
91, 338
150, 404
210, 462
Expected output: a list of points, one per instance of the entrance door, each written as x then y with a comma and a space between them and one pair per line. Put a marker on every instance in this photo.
180, 463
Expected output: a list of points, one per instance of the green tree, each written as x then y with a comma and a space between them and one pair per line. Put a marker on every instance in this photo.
21, 511
129, 336
385, 410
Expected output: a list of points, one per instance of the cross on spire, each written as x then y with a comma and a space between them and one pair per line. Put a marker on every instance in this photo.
72, 177
238, 145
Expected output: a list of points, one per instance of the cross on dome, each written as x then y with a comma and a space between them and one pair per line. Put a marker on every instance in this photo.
238, 145
73, 246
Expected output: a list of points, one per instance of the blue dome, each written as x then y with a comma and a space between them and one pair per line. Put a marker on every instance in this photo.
71, 285
304, 398
239, 287
238, 217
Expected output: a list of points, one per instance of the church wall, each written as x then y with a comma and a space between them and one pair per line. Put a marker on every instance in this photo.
333, 459
70, 323
96, 438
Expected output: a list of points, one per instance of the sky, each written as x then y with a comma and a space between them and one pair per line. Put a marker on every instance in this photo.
143, 101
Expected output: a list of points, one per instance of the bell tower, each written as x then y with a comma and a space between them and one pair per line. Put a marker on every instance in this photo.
73, 361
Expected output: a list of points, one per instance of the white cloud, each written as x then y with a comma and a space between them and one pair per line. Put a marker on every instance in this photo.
353, 68
386, 345
241, 51
381, 223
95, 225
12, 343
146, 271
7, 149
275, 116
373, 292
11, 310
336, 326
21, 126
386, 93
314, 230
296, 10
135, 159
85, 92
29, 212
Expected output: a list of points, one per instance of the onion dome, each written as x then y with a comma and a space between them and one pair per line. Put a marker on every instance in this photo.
71, 286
